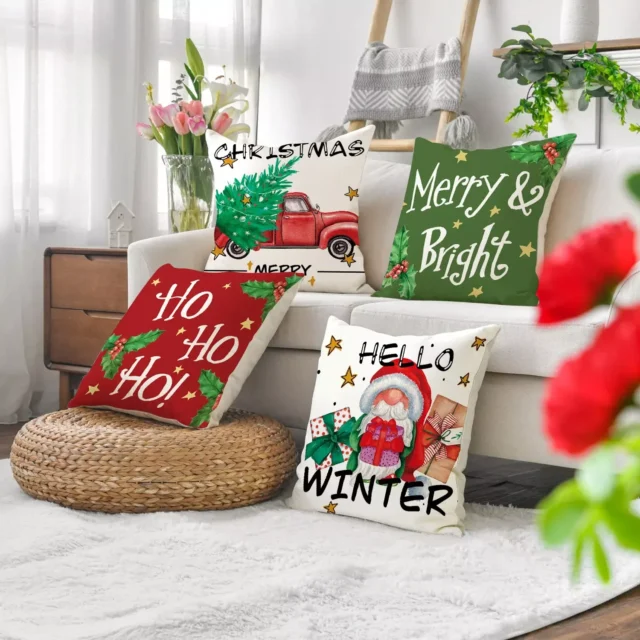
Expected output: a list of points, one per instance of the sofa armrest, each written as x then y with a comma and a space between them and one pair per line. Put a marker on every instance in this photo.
188, 250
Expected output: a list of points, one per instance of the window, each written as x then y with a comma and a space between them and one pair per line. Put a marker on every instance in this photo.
295, 205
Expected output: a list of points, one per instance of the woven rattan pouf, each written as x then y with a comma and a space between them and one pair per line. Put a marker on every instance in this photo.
112, 462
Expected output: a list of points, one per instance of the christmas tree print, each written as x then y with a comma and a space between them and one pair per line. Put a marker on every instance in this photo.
270, 291
249, 206
211, 388
116, 347
550, 154
400, 271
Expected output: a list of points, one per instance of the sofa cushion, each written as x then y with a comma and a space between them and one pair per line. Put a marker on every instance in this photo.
304, 325
522, 347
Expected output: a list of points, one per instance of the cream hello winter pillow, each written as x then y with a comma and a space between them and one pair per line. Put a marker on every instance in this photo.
390, 426
290, 208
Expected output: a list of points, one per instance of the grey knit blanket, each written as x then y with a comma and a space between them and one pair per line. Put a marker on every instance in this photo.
398, 84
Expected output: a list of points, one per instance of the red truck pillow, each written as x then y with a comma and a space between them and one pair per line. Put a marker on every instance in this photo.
186, 345
291, 207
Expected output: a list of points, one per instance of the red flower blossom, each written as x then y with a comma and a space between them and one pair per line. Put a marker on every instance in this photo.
589, 390
584, 272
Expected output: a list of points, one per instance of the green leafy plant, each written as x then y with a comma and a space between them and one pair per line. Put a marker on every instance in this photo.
400, 271
532, 62
116, 347
249, 206
211, 387
551, 155
270, 291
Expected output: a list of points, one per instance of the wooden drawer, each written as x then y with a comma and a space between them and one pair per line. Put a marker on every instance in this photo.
89, 282
78, 336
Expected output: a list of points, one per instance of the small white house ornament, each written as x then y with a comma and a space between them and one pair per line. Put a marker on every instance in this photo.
120, 223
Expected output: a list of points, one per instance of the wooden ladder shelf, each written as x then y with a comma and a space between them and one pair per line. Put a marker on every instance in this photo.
377, 32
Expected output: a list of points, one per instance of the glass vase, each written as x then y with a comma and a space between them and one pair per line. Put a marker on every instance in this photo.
190, 192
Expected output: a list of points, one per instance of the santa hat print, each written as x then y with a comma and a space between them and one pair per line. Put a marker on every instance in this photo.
408, 379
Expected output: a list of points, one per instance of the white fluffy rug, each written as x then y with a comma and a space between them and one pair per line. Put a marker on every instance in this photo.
269, 572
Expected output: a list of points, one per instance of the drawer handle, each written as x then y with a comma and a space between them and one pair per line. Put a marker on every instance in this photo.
105, 315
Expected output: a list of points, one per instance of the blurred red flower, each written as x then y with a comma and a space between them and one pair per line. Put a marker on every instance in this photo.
584, 272
589, 390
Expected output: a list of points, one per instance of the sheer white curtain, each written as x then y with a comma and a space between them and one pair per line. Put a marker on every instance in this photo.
71, 74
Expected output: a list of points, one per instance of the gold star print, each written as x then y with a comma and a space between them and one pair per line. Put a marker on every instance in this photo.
476, 291
92, 389
312, 281
462, 156
457, 224
189, 395
331, 507
526, 250
249, 265
351, 194
348, 378
228, 162
181, 330
464, 380
227, 286
478, 342
217, 251
247, 324
178, 369
246, 200
333, 345
348, 259
156, 282
494, 212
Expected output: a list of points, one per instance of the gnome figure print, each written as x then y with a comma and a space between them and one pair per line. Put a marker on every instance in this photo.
390, 426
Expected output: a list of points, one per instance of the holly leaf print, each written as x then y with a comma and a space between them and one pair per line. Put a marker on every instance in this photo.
110, 343
258, 289
400, 246
203, 414
527, 153
269, 304
407, 283
291, 280
110, 367
210, 385
135, 343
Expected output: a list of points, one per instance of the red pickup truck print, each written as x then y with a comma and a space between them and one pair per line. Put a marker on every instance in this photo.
299, 224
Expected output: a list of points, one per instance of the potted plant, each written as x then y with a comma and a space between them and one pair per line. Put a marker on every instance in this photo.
532, 62
180, 128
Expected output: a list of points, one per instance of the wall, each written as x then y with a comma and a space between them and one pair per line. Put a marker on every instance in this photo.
310, 48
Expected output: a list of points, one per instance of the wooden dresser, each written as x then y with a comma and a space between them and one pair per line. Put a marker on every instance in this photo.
85, 294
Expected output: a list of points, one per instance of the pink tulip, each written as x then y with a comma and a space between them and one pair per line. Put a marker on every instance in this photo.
195, 108
181, 123
221, 122
197, 125
144, 131
155, 114
167, 114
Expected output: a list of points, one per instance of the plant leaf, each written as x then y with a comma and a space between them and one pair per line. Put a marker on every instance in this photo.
576, 77
561, 513
291, 280
598, 92
269, 304
600, 560
535, 74
524, 28
508, 43
135, 343
597, 476
578, 550
210, 385
509, 69
554, 64
527, 153
258, 289
633, 184
583, 102
194, 58
543, 42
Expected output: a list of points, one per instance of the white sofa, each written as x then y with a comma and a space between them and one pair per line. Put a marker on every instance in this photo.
508, 421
